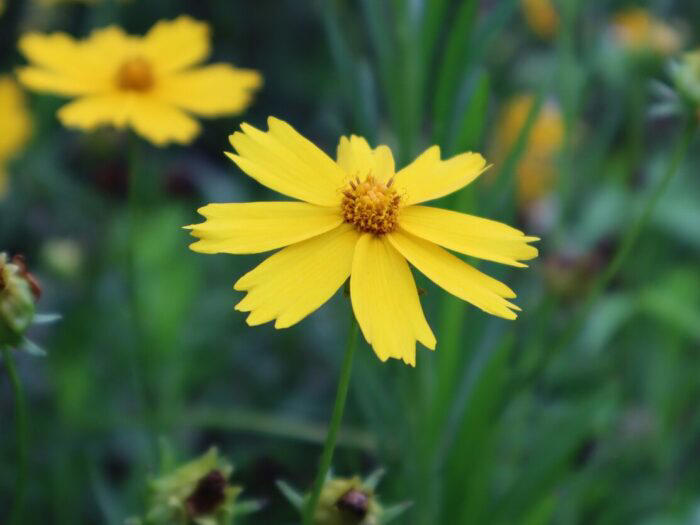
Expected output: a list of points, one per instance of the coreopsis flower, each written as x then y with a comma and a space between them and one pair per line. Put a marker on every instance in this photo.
536, 170
638, 31
15, 125
198, 492
541, 17
153, 84
686, 76
357, 218
19, 291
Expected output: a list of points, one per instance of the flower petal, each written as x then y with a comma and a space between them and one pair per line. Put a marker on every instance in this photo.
357, 159
470, 235
385, 301
57, 52
255, 227
174, 45
89, 113
150, 118
454, 275
161, 123
428, 177
218, 89
52, 82
288, 163
297, 280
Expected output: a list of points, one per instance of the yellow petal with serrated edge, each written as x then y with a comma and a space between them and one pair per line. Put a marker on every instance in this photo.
357, 159
428, 177
173, 45
298, 279
255, 227
210, 90
470, 235
385, 301
288, 163
454, 275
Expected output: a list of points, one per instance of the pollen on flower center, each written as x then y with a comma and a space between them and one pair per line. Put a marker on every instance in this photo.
371, 206
136, 74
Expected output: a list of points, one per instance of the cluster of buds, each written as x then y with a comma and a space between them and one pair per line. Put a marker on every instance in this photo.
347, 501
19, 291
197, 493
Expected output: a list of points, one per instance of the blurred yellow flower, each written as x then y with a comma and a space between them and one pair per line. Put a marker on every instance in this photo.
15, 125
536, 171
638, 30
151, 84
541, 17
358, 219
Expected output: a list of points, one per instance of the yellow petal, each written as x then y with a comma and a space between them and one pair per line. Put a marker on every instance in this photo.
297, 280
357, 159
161, 123
51, 82
470, 235
173, 45
385, 301
286, 162
16, 122
454, 275
151, 119
89, 113
218, 89
428, 177
56, 52
255, 227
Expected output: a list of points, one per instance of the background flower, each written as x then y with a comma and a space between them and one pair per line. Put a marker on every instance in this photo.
151, 84
15, 126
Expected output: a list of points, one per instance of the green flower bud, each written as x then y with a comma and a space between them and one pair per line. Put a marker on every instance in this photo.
197, 493
18, 293
347, 501
686, 75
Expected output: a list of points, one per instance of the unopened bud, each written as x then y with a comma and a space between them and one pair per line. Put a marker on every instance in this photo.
18, 292
346, 501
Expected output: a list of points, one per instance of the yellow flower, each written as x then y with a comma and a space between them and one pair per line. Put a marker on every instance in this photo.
15, 125
151, 84
541, 16
638, 30
357, 217
536, 170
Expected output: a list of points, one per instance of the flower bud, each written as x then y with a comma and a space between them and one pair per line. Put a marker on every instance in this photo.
18, 292
347, 501
198, 492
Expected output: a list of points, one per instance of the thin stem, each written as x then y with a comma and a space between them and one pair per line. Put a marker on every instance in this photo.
336, 418
22, 436
630, 238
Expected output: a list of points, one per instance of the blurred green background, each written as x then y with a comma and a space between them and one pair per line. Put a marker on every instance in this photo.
571, 414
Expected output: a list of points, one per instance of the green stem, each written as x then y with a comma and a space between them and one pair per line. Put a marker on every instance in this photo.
138, 357
22, 436
630, 238
336, 418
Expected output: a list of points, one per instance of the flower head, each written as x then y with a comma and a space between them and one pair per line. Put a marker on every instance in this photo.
347, 501
15, 125
536, 170
637, 30
358, 218
152, 84
541, 16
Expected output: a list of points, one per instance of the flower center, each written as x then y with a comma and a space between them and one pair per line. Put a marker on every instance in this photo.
371, 206
136, 74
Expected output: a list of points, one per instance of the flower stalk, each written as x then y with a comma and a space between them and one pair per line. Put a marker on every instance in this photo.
334, 427
22, 435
